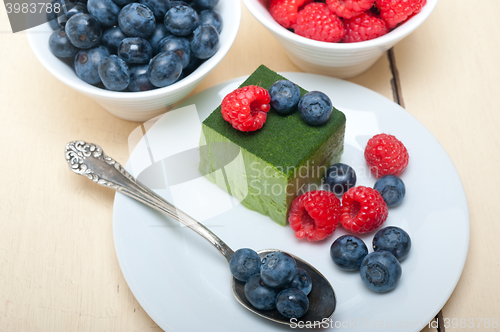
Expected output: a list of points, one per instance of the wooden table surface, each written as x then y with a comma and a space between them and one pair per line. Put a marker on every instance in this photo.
58, 268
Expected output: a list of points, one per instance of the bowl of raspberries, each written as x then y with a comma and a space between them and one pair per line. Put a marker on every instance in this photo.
340, 38
136, 58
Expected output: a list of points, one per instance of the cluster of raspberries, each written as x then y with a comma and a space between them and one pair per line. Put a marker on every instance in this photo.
346, 21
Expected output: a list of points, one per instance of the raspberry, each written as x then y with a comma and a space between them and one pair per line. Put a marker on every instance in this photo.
246, 108
315, 215
349, 8
317, 22
363, 210
285, 11
385, 155
394, 12
364, 27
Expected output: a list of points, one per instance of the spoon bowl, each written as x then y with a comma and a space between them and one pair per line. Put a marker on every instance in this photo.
89, 160
322, 300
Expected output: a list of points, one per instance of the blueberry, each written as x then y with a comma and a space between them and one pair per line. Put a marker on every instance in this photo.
52, 15
301, 281
206, 4
194, 63
285, 96
178, 3
135, 50
70, 9
278, 269
87, 64
122, 3
83, 30
114, 73
348, 252
106, 11
181, 20
112, 38
158, 7
394, 240
259, 295
137, 20
380, 271
164, 69
339, 178
212, 17
315, 108
205, 42
392, 189
244, 264
139, 79
60, 45
292, 303
179, 46
159, 33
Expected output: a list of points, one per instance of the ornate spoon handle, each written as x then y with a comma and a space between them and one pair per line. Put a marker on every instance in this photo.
89, 160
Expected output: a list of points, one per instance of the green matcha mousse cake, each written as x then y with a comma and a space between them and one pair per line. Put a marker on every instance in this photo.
268, 168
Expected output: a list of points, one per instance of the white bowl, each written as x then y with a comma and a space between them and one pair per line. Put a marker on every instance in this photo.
138, 106
334, 59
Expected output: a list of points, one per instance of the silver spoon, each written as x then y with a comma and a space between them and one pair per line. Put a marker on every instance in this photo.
89, 160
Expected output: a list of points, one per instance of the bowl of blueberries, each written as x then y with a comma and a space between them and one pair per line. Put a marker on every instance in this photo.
136, 58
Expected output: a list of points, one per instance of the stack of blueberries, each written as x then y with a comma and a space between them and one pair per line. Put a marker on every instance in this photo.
274, 282
122, 45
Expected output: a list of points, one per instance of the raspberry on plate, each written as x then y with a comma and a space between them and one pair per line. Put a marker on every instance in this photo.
385, 155
349, 8
317, 22
363, 210
246, 108
364, 27
285, 11
394, 12
315, 215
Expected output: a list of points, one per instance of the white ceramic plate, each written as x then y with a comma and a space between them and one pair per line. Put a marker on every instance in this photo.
183, 283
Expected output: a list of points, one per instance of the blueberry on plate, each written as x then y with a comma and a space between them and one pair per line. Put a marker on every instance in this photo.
392, 189
114, 73
244, 263
60, 45
292, 303
339, 178
158, 7
139, 80
301, 281
212, 17
394, 240
159, 33
83, 30
380, 271
70, 9
206, 4
278, 269
315, 108
106, 11
87, 64
137, 20
181, 20
347, 252
179, 46
135, 50
205, 41
259, 295
112, 38
164, 69
285, 96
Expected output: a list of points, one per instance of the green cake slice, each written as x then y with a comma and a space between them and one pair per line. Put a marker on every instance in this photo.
268, 168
